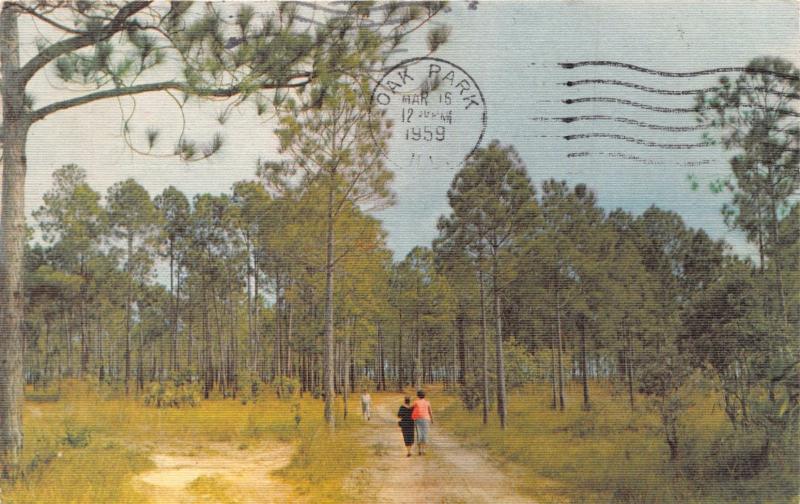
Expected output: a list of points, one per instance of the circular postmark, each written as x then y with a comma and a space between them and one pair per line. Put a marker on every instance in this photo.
437, 109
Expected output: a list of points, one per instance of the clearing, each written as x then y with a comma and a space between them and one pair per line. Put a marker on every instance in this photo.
220, 474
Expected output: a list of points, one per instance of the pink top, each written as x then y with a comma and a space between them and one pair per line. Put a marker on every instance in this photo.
422, 410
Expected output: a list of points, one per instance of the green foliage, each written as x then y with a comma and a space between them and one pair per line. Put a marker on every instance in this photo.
168, 395
286, 388
471, 394
76, 436
521, 366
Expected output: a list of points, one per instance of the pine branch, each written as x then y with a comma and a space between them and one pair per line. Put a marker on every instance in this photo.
228, 92
119, 23
51, 22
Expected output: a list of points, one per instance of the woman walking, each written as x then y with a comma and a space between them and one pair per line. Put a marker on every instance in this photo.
422, 415
406, 424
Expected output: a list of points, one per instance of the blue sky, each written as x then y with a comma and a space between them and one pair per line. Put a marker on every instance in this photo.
512, 50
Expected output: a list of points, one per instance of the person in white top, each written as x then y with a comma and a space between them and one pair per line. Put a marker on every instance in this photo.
366, 402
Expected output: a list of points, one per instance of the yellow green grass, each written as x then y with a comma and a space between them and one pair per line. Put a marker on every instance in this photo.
86, 446
610, 454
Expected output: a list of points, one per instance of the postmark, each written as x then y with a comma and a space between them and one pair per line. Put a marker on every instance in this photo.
438, 112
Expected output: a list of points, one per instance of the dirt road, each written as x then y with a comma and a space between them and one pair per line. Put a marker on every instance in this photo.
448, 474
222, 474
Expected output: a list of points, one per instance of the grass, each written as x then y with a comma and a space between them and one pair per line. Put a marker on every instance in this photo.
86, 446
211, 490
611, 454
324, 459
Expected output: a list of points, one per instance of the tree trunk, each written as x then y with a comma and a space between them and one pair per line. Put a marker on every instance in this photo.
558, 351
553, 372
256, 313
190, 343
329, 270
381, 360
462, 348
501, 371
629, 366
140, 360
46, 370
776, 260
485, 341
417, 350
128, 302
346, 371
12, 245
400, 377
288, 339
251, 344
584, 374
173, 349
84, 368
208, 378
277, 357
67, 314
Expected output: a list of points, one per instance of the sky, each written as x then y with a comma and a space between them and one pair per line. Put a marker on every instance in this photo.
512, 51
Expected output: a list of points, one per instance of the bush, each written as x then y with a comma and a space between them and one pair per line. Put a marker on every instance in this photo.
520, 365
168, 395
738, 456
286, 388
250, 386
472, 393
76, 437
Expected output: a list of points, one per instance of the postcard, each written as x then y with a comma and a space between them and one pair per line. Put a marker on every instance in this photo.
529, 251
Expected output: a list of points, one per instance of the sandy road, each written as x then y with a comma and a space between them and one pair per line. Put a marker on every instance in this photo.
448, 474
234, 476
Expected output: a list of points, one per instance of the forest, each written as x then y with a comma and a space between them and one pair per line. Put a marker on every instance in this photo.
533, 307
224, 296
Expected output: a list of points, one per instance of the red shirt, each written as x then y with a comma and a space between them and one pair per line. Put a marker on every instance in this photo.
422, 410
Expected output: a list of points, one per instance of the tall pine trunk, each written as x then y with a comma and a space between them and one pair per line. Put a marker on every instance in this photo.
417, 351
629, 366
12, 245
559, 357
776, 262
485, 341
400, 377
173, 349
128, 302
381, 359
329, 354
553, 371
277, 352
502, 400
346, 371
462, 347
584, 371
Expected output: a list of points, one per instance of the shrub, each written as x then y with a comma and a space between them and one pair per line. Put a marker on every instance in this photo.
738, 456
520, 365
76, 437
250, 386
286, 388
168, 395
472, 393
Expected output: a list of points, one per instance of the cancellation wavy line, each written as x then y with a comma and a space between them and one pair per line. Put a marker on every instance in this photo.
639, 141
661, 73
654, 108
647, 161
669, 92
623, 120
